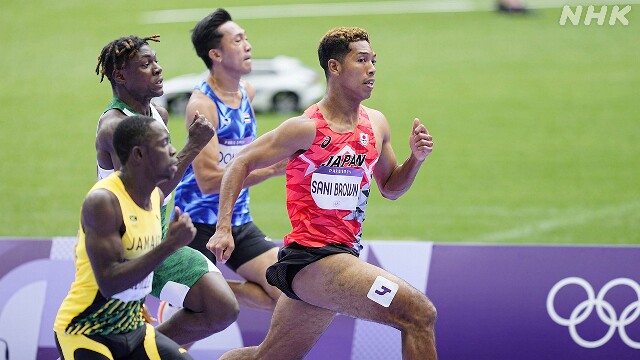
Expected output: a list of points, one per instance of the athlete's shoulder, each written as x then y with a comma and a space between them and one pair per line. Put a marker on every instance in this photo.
164, 114
301, 122
111, 115
296, 132
101, 198
200, 99
296, 126
373, 114
101, 192
251, 90
379, 125
202, 103
108, 122
378, 122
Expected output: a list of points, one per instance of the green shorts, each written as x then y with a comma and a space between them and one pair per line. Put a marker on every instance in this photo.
176, 275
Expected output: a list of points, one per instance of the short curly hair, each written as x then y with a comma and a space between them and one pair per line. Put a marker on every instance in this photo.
335, 44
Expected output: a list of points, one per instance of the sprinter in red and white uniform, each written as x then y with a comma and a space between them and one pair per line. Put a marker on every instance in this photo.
328, 185
335, 149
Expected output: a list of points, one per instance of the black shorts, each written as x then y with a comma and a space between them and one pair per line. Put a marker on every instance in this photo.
293, 258
249, 240
139, 344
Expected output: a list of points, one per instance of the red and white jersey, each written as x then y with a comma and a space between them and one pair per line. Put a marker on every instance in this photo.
328, 185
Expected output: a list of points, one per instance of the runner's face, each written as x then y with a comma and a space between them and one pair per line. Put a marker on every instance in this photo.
143, 74
162, 160
358, 69
235, 48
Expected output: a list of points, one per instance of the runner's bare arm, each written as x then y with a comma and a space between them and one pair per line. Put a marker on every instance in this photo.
101, 221
200, 131
395, 179
290, 138
206, 165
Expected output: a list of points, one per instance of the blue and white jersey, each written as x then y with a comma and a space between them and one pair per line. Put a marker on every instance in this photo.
236, 128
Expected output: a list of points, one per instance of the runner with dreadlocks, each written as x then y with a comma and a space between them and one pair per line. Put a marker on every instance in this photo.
186, 279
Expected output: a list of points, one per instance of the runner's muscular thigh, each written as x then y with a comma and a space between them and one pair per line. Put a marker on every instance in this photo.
342, 282
254, 269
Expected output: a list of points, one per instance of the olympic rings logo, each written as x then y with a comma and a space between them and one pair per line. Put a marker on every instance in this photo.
604, 309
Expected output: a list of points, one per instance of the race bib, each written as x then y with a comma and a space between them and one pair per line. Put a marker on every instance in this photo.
229, 148
335, 188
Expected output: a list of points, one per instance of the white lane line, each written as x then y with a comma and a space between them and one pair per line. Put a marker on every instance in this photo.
311, 10
354, 8
556, 223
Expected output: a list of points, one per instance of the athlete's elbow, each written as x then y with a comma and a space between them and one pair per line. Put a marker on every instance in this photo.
392, 194
106, 290
110, 284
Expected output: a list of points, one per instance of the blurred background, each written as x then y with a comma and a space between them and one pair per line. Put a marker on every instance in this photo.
536, 124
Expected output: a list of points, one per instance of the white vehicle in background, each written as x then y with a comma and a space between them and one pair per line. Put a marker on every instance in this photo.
283, 84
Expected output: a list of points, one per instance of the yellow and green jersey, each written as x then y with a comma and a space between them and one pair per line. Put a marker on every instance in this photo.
85, 310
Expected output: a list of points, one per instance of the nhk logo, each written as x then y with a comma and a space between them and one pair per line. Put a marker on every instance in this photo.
617, 14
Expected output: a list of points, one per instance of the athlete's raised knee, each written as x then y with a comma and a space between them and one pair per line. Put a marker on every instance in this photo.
247, 353
223, 312
214, 300
420, 315
273, 296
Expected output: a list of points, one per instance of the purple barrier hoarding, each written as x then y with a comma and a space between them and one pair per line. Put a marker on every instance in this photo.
536, 302
494, 302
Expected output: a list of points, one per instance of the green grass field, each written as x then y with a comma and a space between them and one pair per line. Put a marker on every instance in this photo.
536, 125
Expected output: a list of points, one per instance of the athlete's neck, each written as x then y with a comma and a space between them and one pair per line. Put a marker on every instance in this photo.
139, 191
341, 116
224, 84
140, 105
